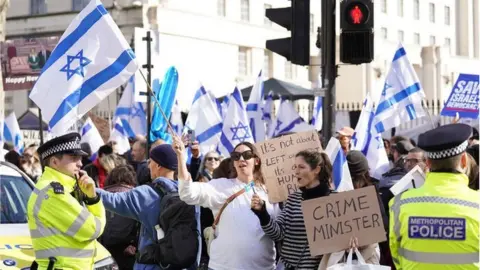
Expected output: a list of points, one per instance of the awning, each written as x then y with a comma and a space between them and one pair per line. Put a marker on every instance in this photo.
30, 120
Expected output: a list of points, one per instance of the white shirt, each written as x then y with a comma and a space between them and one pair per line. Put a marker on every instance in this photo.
240, 242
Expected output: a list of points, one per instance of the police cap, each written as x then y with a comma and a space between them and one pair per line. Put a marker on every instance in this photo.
65, 144
445, 141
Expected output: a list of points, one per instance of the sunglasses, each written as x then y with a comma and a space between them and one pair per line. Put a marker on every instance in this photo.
235, 156
213, 158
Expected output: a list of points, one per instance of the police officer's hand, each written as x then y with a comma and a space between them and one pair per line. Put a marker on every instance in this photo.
87, 185
257, 203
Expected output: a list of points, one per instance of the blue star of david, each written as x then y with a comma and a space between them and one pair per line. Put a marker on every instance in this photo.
385, 87
239, 127
79, 70
279, 123
354, 139
136, 111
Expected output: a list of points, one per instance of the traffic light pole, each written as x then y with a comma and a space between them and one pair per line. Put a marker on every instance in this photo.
329, 67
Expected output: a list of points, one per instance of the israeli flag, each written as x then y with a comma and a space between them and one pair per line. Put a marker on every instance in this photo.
90, 61
288, 120
176, 119
91, 136
255, 112
267, 113
341, 174
369, 142
205, 120
235, 126
402, 95
120, 136
317, 119
131, 114
12, 133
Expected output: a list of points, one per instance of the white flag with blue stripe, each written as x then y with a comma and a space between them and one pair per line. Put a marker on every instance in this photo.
255, 110
342, 179
267, 114
369, 142
205, 120
317, 119
120, 136
12, 133
176, 119
131, 113
91, 136
402, 95
288, 120
90, 61
235, 126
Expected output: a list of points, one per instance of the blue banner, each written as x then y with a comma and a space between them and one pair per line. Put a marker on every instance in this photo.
464, 98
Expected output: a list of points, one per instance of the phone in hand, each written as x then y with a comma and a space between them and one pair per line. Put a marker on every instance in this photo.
190, 136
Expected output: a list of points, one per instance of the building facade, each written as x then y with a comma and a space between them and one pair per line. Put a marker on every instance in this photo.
221, 43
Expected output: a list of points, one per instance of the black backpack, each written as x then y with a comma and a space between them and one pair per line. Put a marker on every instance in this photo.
119, 230
179, 247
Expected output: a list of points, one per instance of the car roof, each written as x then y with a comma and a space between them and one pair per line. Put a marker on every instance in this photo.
7, 168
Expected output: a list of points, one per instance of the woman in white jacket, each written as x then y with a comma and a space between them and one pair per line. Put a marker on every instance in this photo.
240, 243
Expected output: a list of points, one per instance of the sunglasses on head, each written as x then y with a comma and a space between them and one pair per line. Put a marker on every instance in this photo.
246, 155
213, 158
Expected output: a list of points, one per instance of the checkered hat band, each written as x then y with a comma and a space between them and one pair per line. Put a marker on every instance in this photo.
449, 152
63, 147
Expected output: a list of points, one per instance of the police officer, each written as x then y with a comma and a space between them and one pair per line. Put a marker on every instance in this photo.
436, 226
63, 231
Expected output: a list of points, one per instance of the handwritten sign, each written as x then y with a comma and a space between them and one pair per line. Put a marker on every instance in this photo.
413, 179
330, 221
464, 98
278, 162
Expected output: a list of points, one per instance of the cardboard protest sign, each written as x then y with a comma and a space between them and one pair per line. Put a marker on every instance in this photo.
464, 98
413, 179
278, 162
330, 221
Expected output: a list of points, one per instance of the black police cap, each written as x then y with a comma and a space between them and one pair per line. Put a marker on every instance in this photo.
445, 141
65, 144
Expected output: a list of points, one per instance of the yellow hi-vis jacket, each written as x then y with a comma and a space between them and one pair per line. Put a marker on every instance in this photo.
436, 226
60, 227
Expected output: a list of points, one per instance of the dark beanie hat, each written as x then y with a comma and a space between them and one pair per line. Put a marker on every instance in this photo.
357, 162
165, 156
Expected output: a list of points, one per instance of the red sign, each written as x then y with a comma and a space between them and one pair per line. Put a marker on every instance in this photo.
22, 61
356, 15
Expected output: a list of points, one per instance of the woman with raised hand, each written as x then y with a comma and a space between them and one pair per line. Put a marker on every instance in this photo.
239, 242
313, 171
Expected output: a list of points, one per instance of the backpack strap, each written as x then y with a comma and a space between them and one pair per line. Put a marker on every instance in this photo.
229, 200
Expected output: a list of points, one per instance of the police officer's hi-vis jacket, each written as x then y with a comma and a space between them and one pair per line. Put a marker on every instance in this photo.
436, 226
60, 227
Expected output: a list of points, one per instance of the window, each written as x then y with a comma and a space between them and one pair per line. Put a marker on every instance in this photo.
416, 9
78, 5
431, 12
312, 23
267, 21
243, 61
448, 43
433, 40
400, 8
267, 64
447, 15
38, 7
245, 10
383, 6
15, 193
416, 38
401, 36
288, 70
221, 10
384, 32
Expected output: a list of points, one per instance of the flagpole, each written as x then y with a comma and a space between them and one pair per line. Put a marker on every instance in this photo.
150, 93
428, 113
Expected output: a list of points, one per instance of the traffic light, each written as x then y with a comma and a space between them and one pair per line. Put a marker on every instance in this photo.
296, 19
356, 38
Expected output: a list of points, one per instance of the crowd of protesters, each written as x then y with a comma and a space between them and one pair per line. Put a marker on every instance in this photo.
252, 232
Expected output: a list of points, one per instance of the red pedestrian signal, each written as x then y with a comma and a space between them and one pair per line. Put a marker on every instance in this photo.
358, 13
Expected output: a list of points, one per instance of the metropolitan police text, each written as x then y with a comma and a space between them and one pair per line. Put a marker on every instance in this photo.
351, 207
